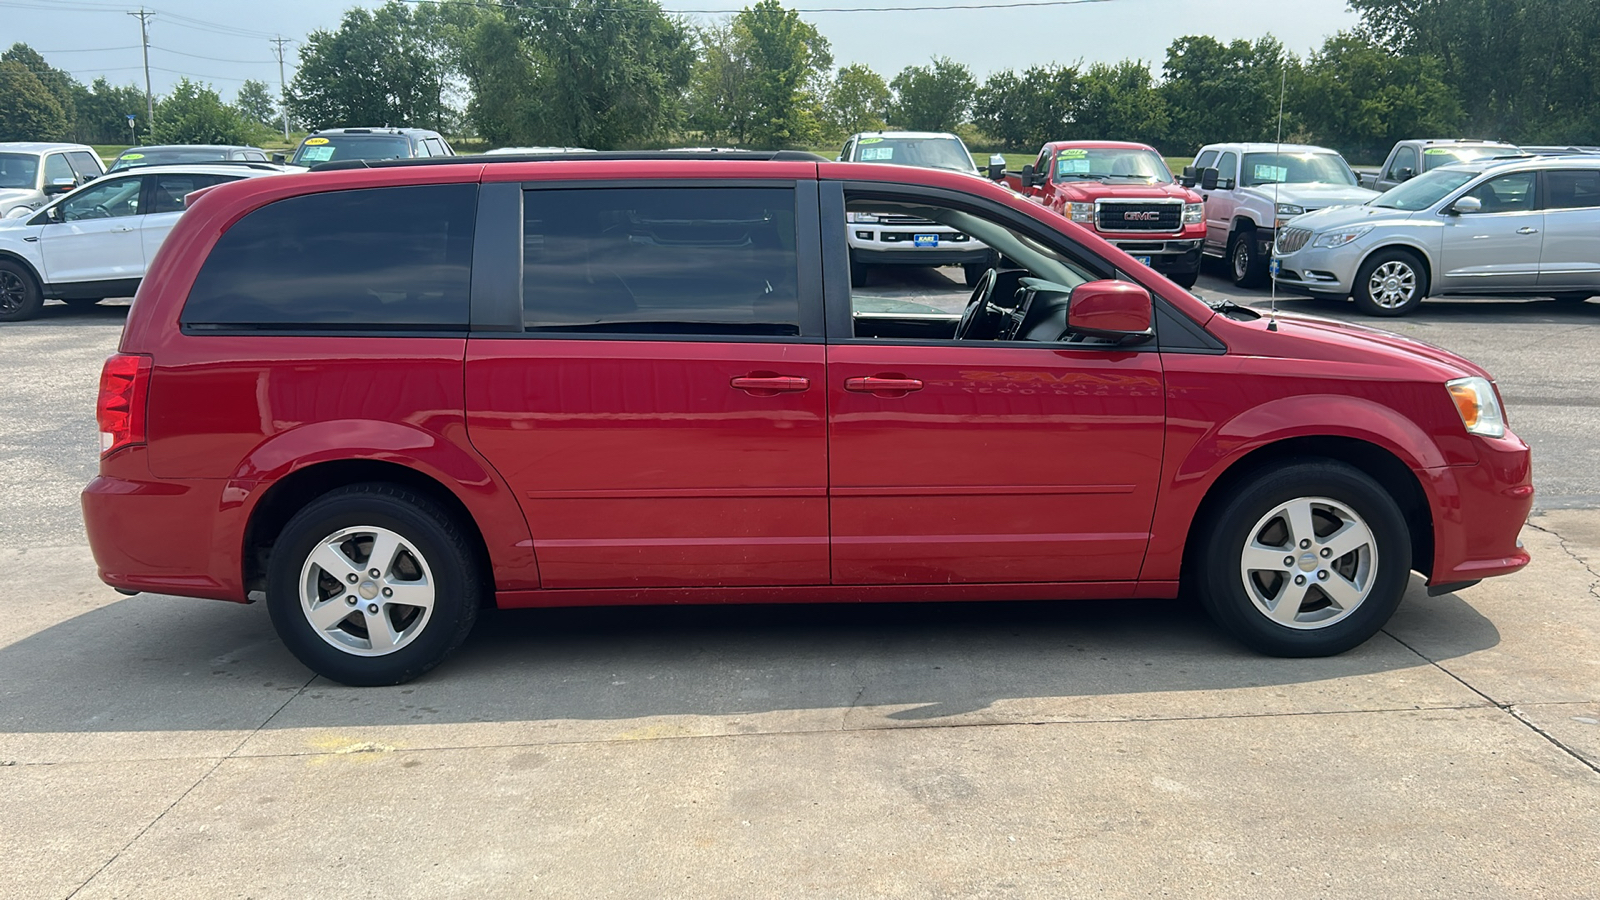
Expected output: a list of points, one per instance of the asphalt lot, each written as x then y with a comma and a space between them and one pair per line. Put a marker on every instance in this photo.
161, 747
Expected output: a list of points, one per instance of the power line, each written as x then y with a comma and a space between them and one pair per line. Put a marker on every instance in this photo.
213, 58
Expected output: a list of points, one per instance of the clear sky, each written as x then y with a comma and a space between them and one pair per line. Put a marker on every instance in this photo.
225, 41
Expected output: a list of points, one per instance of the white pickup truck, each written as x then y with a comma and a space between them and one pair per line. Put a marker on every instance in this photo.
1251, 190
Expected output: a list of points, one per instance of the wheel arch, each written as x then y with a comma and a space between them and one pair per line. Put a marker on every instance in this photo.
1415, 250
293, 492
1377, 462
27, 266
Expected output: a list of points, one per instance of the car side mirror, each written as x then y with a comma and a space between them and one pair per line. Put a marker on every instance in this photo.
1405, 174
1189, 177
1028, 176
60, 186
1111, 309
1208, 179
997, 167
279, 158
53, 214
1466, 206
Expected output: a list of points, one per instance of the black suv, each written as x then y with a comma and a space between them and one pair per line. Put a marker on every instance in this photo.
332, 144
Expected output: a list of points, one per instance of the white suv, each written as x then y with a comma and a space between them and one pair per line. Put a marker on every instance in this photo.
901, 240
31, 173
95, 242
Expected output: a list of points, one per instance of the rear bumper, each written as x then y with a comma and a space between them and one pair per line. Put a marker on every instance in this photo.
1479, 512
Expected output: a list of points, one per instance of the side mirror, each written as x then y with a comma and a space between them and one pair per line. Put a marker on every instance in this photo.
60, 186
1405, 174
1028, 176
279, 158
1466, 206
997, 167
1189, 178
1111, 309
1208, 179
53, 214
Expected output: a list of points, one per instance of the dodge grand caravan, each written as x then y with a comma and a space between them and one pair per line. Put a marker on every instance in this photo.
383, 397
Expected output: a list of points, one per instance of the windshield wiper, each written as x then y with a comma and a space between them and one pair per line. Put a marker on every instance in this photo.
1233, 310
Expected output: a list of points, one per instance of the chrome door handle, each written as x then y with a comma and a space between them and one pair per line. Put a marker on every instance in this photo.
1526, 229
122, 229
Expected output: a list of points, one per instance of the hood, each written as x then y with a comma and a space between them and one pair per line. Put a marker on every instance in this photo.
1311, 337
1347, 216
1085, 191
1316, 196
10, 197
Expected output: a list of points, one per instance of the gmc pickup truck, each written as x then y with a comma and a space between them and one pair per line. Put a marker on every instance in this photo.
1256, 188
1411, 158
1124, 193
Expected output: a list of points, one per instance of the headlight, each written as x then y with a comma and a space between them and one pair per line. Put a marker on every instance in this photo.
1340, 238
856, 218
1082, 213
1194, 213
1479, 407
1289, 209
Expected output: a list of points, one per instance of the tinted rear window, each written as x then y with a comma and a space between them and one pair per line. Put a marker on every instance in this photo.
682, 261
380, 258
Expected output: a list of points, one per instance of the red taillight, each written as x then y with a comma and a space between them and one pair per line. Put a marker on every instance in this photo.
124, 383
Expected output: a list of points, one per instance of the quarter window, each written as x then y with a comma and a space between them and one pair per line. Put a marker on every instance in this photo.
675, 261
1573, 189
379, 258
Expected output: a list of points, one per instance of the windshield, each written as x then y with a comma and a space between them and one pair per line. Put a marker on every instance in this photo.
1074, 163
161, 156
1295, 168
19, 170
928, 153
351, 146
1424, 190
1434, 157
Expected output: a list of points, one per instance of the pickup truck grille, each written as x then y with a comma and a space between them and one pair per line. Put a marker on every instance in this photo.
1292, 239
904, 220
1163, 217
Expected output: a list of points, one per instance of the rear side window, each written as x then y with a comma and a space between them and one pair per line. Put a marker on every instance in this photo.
675, 261
85, 164
379, 258
171, 189
1573, 189
56, 168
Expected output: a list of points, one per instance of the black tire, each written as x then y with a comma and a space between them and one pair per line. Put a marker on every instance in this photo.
972, 273
1247, 267
1402, 271
1328, 298
81, 302
1219, 560
457, 581
858, 274
1185, 280
20, 296
1573, 299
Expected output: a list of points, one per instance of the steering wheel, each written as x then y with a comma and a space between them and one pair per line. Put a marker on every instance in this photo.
978, 313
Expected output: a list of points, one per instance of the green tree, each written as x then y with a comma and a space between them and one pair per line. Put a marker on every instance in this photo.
1216, 91
256, 103
936, 97
62, 86
103, 111
857, 100
194, 114
718, 85
1120, 102
1362, 98
1023, 112
604, 74
787, 59
381, 67
28, 110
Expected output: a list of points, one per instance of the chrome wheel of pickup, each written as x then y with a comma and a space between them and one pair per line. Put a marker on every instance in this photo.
1309, 563
366, 590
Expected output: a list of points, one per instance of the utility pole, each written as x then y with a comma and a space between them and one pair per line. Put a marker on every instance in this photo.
283, 91
144, 39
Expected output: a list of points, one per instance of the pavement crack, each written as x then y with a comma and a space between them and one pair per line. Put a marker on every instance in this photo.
1521, 717
1594, 583
189, 790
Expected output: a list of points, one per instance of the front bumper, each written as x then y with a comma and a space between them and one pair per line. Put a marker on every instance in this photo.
896, 245
1316, 270
1479, 511
1177, 257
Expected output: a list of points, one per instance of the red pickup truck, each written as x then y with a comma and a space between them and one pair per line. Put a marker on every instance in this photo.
1127, 195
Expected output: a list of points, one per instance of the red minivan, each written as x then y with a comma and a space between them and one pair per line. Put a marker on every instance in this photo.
385, 396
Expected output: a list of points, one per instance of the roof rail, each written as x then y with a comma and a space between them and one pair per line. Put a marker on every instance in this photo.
244, 163
756, 155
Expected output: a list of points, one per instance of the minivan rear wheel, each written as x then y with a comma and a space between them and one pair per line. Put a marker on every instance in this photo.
372, 584
20, 297
1308, 559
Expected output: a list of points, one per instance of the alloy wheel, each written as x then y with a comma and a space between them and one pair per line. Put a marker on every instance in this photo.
1309, 563
13, 293
1392, 285
366, 590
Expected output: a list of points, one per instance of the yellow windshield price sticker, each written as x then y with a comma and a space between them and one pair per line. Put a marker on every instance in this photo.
1436, 151
1074, 154
133, 156
871, 140
315, 141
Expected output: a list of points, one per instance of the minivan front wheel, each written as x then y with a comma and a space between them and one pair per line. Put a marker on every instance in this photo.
1309, 559
1390, 283
372, 584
